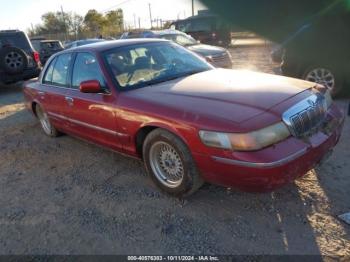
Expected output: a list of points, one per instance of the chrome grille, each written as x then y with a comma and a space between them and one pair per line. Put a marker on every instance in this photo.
307, 116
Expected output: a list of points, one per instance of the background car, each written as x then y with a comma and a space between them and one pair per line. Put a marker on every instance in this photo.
217, 56
205, 27
18, 59
47, 48
82, 42
310, 54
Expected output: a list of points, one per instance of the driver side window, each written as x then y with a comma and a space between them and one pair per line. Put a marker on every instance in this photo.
86, 68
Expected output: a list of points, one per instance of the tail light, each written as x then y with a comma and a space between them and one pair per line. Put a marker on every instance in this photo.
36, 57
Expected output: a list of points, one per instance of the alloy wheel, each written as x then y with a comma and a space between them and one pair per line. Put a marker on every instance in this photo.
44, 121
321, 76
166, 164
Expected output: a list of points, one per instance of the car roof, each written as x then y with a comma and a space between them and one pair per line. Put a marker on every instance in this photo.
157, 32
168, 32
106, 45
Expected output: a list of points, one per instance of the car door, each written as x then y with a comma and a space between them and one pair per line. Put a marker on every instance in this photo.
54, 86
91, 115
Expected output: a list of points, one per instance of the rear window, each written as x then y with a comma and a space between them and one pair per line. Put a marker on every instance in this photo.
51, 45
16, 40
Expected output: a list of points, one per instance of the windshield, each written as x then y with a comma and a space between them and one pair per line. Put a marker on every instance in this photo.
181, 39
151, 63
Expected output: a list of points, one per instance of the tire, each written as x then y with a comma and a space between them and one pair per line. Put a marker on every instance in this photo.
45, 123
164, 153
13, 60
325, 76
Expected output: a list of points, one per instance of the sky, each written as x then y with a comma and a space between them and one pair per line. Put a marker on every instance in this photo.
21, 14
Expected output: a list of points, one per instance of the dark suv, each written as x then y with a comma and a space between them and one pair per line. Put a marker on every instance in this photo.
206, 28
18, 60
319, 52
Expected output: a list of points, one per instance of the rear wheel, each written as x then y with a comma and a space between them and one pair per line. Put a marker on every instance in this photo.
325, 76
170, 164
45, 123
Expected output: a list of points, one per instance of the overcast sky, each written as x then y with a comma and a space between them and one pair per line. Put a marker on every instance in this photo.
20, 14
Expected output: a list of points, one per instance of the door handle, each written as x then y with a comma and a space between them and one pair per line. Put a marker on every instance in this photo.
69, 100
41, 93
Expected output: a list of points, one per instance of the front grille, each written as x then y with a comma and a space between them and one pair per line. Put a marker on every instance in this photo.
306, 117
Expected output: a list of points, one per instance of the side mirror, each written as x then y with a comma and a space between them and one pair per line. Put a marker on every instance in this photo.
90, 86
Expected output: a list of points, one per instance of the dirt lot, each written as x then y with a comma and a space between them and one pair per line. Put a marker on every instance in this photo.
64, 196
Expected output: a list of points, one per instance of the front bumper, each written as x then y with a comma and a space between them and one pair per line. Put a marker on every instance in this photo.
270, 168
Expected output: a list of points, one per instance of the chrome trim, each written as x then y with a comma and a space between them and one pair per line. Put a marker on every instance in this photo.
307, 114
260, 165
109, 131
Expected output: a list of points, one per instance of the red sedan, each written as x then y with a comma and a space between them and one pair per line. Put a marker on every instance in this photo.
189, 123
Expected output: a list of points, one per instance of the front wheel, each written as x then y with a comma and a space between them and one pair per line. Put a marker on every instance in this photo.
326, 77
170, 164
45, 123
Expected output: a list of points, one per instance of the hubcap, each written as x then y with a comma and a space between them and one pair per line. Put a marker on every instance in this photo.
14, 60
321, 76
44, 121
166, 164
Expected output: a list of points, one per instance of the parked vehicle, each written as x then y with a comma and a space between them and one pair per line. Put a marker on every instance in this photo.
217, 56
311, 55
207, 28
18, 60
82, 42
47, 48
189, 122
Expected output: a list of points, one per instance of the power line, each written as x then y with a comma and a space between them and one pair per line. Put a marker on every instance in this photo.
114, 6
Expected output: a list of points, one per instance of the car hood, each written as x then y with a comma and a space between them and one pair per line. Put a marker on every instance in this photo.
206, 50
233, 95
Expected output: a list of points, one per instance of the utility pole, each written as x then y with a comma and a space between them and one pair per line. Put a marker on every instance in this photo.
139, 23
135, 21
192, 7
150, 14
65, 25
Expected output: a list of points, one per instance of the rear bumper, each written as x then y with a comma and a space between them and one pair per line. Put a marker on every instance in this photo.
295, 158
25, 75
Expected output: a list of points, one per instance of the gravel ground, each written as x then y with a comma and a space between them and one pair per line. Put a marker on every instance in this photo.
65, 196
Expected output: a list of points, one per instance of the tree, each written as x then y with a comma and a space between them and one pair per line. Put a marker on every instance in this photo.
76, 23
113, 23
94, 22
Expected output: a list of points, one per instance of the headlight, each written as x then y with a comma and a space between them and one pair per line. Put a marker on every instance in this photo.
246, 141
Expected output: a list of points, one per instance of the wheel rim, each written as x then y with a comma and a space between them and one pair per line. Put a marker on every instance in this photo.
44, 121
166, 164
14, 60
321, 76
